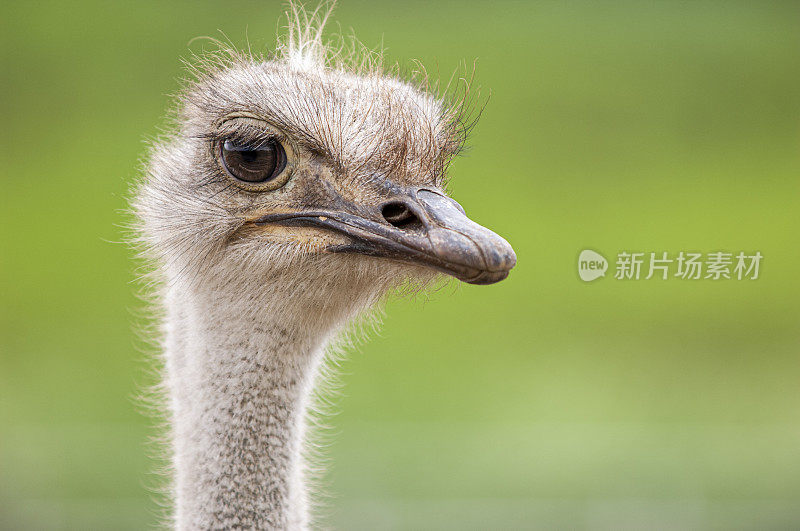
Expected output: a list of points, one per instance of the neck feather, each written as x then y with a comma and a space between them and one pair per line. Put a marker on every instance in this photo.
239, 373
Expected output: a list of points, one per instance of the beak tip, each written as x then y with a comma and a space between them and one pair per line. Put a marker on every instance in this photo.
508, 256
501, 259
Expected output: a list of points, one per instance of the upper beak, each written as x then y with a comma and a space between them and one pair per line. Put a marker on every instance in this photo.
421, 226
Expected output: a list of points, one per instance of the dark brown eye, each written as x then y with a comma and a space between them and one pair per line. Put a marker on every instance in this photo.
253, 163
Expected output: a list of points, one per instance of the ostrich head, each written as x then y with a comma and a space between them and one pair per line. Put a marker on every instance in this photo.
295, 191
310, 175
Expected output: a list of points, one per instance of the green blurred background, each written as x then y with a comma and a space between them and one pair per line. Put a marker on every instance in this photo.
539, 403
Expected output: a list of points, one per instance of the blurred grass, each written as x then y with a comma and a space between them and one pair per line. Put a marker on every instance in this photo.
541, 402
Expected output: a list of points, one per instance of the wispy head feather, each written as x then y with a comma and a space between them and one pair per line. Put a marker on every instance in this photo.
302, 46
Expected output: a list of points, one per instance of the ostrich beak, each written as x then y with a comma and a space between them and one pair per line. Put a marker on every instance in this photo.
419, 226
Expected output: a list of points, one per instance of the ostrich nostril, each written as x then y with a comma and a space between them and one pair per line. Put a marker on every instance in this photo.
400, 215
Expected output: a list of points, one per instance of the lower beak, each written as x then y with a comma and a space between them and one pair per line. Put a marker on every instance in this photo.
422, 227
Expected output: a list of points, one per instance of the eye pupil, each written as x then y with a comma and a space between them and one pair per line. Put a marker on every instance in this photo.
253, 163
249, 156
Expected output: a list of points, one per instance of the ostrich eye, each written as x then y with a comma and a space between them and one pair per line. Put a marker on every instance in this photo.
253, 163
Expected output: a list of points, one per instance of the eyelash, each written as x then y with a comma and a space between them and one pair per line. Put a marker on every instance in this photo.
244, 133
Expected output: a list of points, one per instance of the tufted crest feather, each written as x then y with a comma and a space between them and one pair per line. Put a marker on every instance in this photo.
302, 45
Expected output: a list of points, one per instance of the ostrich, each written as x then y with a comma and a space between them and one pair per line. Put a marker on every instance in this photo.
296, 190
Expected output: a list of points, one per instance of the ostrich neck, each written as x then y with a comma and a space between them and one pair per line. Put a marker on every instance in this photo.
239, 376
